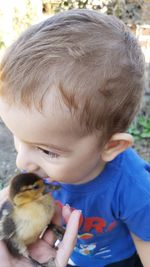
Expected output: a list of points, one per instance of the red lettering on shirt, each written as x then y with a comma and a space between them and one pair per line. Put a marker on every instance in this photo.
94, 223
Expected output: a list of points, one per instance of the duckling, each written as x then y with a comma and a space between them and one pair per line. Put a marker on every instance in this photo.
27, 212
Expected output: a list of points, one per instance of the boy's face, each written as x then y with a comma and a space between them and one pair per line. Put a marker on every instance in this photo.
49, 144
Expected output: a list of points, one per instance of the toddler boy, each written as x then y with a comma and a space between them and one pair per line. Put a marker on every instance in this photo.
70, 87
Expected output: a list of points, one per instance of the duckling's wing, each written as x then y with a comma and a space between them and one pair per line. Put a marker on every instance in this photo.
7, 225
8, 231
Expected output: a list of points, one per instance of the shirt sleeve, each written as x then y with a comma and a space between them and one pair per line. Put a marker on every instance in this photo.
132, 202
139, 223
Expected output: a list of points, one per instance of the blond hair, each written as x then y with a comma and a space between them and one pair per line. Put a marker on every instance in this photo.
92, 59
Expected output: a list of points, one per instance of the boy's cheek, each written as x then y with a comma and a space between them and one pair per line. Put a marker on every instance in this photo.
61, 174
56, 170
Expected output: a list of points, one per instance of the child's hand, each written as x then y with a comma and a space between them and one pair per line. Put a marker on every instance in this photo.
8, 261
43, 250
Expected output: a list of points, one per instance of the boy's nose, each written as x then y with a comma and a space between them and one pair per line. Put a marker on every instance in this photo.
24, 161
25, 164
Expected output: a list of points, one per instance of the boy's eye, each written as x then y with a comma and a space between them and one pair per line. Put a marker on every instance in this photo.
49, 153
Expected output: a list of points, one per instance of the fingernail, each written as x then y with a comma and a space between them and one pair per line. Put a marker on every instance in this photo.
67, 205
80, 211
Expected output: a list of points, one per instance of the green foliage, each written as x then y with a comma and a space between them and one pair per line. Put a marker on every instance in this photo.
70, 4
124, 9
23, 21
16, 19
140, 128
2, 44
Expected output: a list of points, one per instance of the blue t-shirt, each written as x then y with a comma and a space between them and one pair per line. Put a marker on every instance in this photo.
113, 204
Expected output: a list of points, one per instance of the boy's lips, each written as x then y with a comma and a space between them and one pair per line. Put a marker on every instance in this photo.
49, 181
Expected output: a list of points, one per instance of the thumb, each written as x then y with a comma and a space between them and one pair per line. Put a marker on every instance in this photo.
66, 246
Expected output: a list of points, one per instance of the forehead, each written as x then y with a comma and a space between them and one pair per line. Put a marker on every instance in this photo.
27, 124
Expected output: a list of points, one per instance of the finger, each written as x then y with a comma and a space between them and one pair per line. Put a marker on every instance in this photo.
21, 262
8, 260
49, 237
67, 245
66, 212
41, 251
57, 218
4, 255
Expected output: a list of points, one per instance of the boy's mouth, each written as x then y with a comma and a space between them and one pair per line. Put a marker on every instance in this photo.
53, 185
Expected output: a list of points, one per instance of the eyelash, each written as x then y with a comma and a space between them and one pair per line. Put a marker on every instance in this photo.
50, 154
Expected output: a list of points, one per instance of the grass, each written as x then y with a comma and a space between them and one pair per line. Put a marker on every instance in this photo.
140, 128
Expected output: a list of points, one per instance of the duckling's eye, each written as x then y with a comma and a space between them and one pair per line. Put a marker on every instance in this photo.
35, 187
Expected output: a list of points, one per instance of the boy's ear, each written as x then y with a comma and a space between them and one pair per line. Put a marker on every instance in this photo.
117, 144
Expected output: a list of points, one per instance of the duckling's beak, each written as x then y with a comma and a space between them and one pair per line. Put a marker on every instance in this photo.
51, 186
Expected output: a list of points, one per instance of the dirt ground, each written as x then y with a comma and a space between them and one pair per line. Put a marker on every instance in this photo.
8, 154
